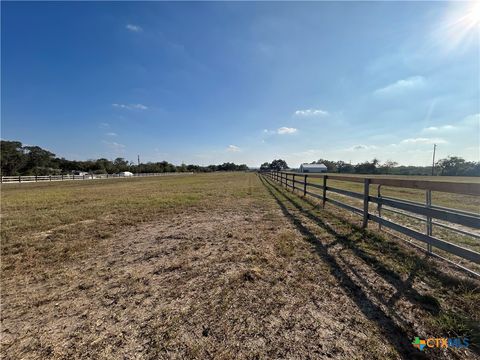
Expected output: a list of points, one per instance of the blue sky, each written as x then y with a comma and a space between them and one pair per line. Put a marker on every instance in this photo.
244, 82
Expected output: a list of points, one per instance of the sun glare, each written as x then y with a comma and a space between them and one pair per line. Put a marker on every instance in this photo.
461, 26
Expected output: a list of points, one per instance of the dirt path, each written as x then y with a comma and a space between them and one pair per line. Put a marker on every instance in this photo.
258, 278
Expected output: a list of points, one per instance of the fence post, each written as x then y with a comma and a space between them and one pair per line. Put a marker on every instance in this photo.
50, 177
19, 179
304, 185
366, 190
428, 201
379, 207
324, 195
293, 183
83, 177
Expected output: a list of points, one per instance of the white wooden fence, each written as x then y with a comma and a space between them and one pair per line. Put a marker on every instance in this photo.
38, 178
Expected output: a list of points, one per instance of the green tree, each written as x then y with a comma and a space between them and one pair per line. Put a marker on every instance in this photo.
388, 166
38, 161
120, 164
367, 167
265, 166
12, 157
279, 165
343, 167
457, 166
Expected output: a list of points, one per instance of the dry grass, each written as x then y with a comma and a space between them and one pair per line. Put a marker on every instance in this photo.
455, 201
211, 266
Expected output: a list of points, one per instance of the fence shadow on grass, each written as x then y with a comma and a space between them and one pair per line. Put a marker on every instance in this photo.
388, 249
391, 331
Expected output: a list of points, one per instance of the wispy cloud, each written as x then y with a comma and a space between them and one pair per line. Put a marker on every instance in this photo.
131, 106
439, 128
400, 86
233, 148
286, 130
465, 124
362, 147
424, 141
133, 28
116, 147
111, 134
473, 119
104, 125
311, 113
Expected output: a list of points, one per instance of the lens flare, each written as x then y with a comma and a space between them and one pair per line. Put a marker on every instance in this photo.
460, 27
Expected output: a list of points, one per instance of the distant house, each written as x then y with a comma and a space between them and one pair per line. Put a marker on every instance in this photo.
80, 173
313, 168
125, 173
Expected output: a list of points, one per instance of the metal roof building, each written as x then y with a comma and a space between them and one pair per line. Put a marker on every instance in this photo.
313, 168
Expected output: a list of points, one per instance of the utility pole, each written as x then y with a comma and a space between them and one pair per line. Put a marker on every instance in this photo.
433, 161
138, 160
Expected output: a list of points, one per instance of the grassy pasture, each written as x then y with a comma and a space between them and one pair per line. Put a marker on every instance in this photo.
213, 266
98, 208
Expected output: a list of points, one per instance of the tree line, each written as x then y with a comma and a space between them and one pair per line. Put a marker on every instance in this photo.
17, 159
450, 166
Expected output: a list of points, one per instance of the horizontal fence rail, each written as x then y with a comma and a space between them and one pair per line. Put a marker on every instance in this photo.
38, 178
459, 221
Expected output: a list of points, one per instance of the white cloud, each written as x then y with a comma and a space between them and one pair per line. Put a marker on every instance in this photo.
423, 141
439, 128
311, 112
465, 124
286, 130
133, 28
104, 125
362, 147
401, 86
268, 132
131, 106
233, 148
111, 134
139, 106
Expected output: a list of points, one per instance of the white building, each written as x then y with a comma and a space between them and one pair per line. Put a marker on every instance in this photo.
313, 168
